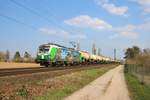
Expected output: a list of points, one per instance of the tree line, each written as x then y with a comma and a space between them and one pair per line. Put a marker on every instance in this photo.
5, 57
137, 55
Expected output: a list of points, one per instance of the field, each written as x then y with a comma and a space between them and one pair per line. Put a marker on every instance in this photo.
5, 65
48, 85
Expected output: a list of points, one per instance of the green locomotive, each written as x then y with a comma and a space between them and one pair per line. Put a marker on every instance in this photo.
54, 54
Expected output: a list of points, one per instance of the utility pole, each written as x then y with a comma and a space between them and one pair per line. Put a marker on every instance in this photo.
94, 49
99, 51
115, 54
78, 46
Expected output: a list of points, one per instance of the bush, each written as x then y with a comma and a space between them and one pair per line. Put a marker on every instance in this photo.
2, 56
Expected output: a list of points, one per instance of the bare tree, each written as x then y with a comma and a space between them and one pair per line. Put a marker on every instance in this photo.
17, 57
2, 56
132, 52
27, 57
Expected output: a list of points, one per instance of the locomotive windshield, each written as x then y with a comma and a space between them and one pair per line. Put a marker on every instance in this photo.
44, 49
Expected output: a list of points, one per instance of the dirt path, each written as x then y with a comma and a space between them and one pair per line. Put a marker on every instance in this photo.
110, 86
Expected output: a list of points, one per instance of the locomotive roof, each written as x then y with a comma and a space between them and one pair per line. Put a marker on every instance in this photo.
57, 45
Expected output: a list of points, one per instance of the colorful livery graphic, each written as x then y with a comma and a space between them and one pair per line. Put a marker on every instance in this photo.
54, 54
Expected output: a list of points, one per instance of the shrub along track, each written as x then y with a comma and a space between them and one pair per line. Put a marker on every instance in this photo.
22, 71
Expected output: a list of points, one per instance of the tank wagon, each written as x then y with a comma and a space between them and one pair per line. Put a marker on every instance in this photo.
55, 54
85, 57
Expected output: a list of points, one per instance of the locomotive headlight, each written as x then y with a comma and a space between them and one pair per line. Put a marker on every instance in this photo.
42, 56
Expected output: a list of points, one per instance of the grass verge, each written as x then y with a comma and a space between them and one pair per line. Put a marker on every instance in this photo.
137, 90
64, 85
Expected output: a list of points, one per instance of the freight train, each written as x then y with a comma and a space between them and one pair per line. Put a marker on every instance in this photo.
52, 54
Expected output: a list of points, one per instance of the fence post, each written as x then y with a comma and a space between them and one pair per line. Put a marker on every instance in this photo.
126, 70
142, 82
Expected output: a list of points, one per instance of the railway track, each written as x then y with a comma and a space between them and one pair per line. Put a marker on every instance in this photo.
22, 71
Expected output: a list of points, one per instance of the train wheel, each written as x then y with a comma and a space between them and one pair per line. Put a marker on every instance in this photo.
46, 65
53, 64
41, 64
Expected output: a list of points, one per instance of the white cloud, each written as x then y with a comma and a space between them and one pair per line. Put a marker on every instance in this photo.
145, 27
129, 34
62, 33
128, 31
145, 4
112, 8
51, 31
86, 21
131, 31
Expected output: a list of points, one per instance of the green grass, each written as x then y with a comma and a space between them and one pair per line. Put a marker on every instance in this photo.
23, 92
137, 90
72, 83
58, 94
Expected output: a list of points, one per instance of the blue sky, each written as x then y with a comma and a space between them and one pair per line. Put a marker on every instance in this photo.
107, 23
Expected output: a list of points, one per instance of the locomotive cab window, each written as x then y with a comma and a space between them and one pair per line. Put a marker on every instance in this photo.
44, 49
